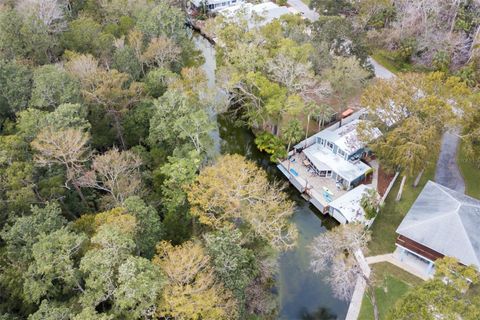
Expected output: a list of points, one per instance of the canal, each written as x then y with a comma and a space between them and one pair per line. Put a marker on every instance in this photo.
302, 294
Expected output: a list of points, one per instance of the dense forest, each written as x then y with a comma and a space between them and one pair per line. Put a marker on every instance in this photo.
113, 201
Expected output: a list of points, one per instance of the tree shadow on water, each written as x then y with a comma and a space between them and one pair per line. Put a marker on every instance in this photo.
319, 314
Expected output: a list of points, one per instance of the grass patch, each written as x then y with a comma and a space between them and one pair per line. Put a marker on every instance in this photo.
470, 173
385, 59
389, 218
391, 283
307, 2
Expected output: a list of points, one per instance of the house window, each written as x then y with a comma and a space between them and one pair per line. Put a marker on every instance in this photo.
341, 153
330, 145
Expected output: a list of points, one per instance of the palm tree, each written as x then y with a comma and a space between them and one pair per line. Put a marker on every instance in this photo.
324, 113
292, 132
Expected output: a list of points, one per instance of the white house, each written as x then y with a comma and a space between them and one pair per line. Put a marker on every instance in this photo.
215, 5
336, 152
256, 15
328, 167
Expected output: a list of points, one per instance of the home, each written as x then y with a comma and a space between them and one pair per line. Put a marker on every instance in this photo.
328, 165
215, 5
256, 15
441, 222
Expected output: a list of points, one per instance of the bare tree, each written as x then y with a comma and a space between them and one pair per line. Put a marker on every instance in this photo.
340, 252
161, 52
116, 173
65, 147
50, 12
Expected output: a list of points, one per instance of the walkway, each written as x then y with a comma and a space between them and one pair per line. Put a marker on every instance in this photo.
447, 172
390, 258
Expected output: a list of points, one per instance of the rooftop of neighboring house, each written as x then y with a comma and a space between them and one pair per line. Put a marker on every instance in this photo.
198, 3
264, 12
349, 204
445, 221
324, 159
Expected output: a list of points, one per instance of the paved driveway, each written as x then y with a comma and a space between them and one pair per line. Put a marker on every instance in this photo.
447, 172
380, 71
303, 9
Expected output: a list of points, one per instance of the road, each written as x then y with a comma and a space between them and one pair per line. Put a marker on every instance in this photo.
447, 172
380, 71
303, 9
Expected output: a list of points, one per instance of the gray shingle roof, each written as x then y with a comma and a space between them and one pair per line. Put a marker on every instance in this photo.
445, 221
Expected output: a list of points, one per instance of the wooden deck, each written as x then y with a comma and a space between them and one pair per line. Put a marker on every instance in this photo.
310, 182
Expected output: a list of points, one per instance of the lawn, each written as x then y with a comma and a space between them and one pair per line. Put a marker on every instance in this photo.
391, 283
390, 216
307, 2
470, 173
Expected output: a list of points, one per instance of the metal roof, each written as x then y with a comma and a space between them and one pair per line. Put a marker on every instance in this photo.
445, 221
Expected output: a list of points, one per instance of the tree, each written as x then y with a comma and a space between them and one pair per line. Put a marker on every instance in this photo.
292, 132
51, 311
139, 286
347, 77
12, 43
340, 252
64, 147
53, 86
53, 272
370, 202
162, 20
113, 244
191, 291
125, 60
412, 111
442, 297
234, 265
116, 173
109, 89
161, 52
85, 35
235, 192
19, 239
178, 173
176, 121
15, 81
150, 229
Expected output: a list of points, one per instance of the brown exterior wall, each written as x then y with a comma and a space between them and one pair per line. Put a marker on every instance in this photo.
418, 248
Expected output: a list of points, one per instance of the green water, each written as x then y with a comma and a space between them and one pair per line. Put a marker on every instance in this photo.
302, 294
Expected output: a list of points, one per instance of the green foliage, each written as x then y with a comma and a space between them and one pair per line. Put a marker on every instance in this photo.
441, 61
15, 81
53, 272
53, 86
149, 228
85, 35
157, 80
26, 231
136, 123
51, 311
125, 60
272, 145
162, 20
233, 264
